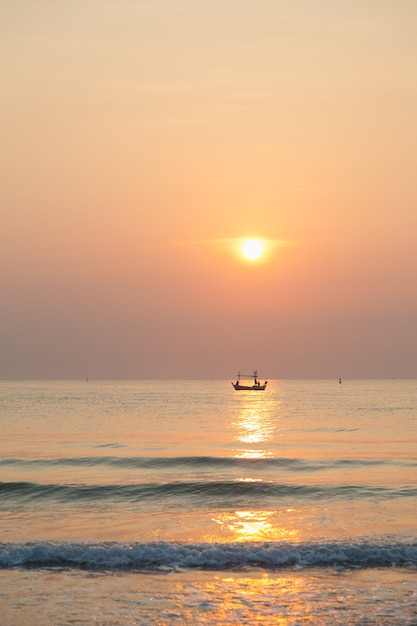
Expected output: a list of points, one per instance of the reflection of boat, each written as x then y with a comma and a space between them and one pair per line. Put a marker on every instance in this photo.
256, 384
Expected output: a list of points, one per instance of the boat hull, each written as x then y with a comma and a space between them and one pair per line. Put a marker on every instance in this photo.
249, 387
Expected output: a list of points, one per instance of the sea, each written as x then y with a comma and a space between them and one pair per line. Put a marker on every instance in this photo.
187, 502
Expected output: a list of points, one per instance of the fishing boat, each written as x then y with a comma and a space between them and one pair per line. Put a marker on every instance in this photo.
256, 386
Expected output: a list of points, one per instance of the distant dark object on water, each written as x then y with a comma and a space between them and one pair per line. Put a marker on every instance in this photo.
256, 384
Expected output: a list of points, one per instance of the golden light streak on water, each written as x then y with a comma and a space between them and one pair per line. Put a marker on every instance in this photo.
254, 426
252, 525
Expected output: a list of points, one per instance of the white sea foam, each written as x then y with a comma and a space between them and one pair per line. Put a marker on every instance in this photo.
232, 556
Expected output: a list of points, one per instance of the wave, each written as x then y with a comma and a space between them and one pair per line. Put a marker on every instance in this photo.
199, 493
202, 462
206, 556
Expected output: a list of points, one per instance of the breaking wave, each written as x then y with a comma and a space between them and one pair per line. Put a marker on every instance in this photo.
205, 556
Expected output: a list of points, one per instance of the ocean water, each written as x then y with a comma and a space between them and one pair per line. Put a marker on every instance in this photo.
186, 502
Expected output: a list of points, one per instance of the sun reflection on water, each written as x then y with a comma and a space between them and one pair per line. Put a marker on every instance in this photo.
255, 425
245, 453
252, 525
260, 597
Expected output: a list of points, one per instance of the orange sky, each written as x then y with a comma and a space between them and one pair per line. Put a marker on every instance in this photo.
141, 140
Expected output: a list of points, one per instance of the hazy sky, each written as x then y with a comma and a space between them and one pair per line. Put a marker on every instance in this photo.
141, 140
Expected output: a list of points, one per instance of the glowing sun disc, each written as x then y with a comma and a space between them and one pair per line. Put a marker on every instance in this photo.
252, 249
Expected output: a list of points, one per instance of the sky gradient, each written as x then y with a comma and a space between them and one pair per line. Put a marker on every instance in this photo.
142, 140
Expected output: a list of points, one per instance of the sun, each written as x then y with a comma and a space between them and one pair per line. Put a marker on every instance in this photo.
252, 249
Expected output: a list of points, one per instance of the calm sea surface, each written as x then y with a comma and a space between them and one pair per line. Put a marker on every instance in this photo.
186, 502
